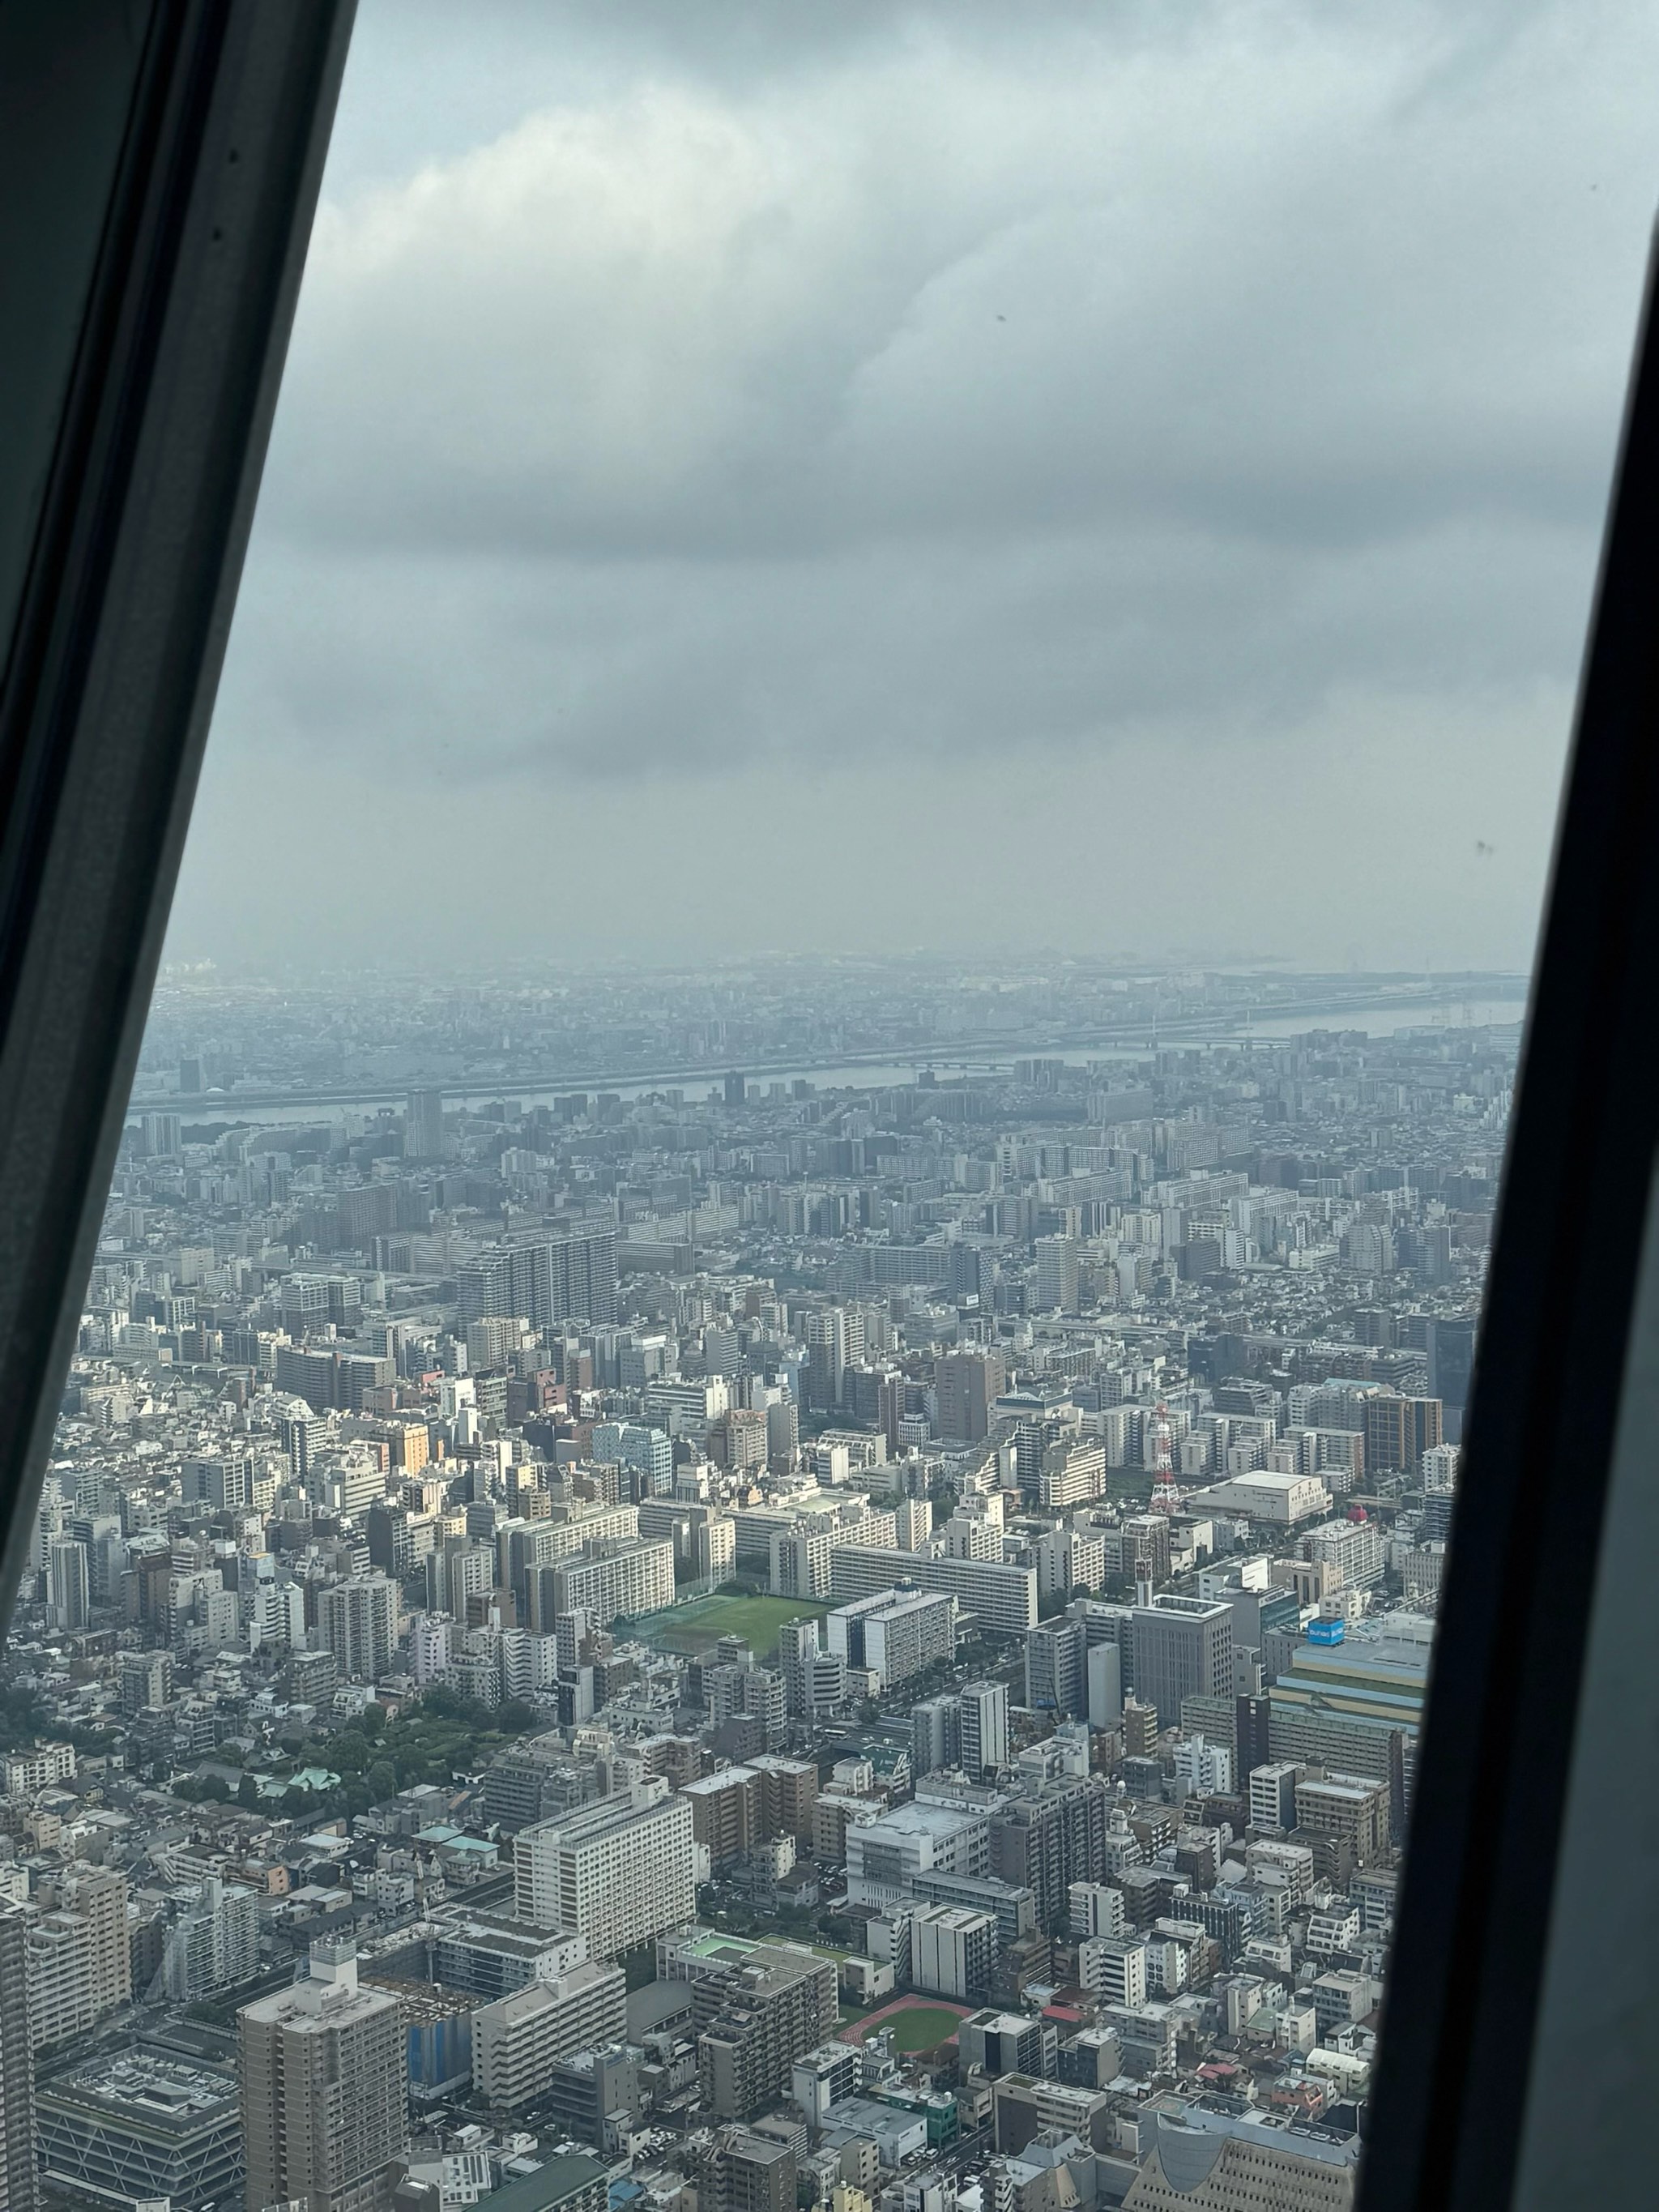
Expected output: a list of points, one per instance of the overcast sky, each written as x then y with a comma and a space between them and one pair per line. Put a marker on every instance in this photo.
758, 473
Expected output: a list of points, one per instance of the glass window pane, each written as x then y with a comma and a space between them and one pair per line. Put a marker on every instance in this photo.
761, 1458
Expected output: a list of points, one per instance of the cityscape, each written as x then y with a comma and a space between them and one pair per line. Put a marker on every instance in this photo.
807, 1583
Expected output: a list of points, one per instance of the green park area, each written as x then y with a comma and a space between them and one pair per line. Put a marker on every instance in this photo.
697, 1626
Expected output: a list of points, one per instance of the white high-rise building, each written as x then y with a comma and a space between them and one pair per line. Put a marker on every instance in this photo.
80, 1963
621, 1871
1112, 1967
215, 1943
984, 1726
357, 1621
517, 2038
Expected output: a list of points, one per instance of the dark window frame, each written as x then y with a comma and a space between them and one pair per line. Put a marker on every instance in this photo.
144, 444
146, 437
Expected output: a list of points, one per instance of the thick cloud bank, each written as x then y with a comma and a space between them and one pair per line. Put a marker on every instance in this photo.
761, 479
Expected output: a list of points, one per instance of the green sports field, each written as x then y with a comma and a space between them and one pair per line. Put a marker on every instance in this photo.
919, 2027
913, 2026
695, 1627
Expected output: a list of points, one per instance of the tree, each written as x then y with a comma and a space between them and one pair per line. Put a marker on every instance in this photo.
215, 1787
247, 1793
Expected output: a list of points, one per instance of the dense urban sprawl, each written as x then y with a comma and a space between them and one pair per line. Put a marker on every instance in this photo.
734, 1639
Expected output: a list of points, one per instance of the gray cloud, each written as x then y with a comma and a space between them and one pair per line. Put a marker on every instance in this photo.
817, 405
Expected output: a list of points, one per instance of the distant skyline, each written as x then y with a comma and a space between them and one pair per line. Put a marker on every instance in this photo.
964, 477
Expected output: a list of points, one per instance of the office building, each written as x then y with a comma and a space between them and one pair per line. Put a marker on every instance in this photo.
1354, 1707
516, 2039
1399, 1431
1183, 1647
1347, 1808
995, 2042
1277, 1499
885, 1853
323, 2089
140, 2126
619, 1871
557, 1278
826, 2076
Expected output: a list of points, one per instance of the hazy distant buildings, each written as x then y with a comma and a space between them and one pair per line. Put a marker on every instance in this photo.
557, 1278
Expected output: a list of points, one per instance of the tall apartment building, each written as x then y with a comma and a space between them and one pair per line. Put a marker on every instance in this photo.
620, 1871
19, 2185
423, 1125
78, 1965
1050, 1839
968, 1385
895, 1634
935, 1734
554, 1279
984, 1726
1056, 1668
357, 1621
745, 2172
1183, 1647
145, 1680
1004, 1597
516, 2039
953, 1951
725, 1815
324, 2090
757, 2008
607, 1579
215, 1943
1056, 1274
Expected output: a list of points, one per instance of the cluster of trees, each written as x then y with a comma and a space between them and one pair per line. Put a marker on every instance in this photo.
437, 1738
